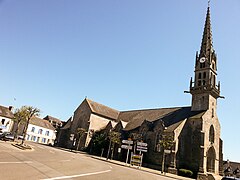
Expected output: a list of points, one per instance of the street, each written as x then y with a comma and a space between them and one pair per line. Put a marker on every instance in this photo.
49, 163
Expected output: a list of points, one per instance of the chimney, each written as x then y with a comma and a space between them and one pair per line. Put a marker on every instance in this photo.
10, 108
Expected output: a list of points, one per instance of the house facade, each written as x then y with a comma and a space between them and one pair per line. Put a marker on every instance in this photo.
194, 130
6, 119
40, 131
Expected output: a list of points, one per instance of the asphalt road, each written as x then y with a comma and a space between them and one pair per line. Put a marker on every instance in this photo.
50, 163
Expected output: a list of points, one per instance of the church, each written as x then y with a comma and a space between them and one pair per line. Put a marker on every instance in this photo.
194, 130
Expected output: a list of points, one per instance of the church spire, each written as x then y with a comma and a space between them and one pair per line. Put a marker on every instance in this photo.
207, 45
204, 88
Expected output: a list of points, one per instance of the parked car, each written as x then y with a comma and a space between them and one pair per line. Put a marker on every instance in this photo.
7, 136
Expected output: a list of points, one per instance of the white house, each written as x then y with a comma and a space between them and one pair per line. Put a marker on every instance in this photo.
6, 119
40, 131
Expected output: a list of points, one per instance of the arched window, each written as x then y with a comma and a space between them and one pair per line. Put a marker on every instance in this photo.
199, 83
204, 75
211, 134
200, 76
204, 82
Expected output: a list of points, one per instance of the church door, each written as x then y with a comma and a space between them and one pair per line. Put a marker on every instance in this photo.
211, 157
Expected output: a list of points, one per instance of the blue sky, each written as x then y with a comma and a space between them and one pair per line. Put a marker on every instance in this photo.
124, 54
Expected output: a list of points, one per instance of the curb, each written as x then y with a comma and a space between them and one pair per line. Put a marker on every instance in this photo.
22, 147
142, 169
69, 150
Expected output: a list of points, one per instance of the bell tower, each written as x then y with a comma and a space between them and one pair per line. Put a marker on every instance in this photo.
204, 88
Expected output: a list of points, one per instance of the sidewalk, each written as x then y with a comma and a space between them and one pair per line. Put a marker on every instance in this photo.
157, 172
142, 168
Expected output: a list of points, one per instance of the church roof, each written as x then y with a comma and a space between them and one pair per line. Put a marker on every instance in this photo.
134, 119
5, 112
102, 110
169, 116
68, 124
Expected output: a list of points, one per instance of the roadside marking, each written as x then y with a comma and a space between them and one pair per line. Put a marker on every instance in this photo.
24, 162
79, 175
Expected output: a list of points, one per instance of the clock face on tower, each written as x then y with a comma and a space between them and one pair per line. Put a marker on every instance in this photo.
202, 59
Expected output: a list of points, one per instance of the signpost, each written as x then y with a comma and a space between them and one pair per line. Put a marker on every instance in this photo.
127, 142
128, 147
166, 151
136, 159
142, 147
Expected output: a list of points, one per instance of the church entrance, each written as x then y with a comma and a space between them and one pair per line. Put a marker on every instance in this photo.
211, 157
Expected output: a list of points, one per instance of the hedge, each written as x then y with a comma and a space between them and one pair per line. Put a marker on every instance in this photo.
185, 172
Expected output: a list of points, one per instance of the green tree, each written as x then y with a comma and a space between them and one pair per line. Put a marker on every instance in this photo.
27, 112
19, 118
114, 138
135, 137
166, 143
99, 142
80, 133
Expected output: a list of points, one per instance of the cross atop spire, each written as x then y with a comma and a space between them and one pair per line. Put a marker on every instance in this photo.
207, 45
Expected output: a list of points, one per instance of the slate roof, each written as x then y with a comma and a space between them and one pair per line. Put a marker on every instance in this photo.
52, 119
234, 165
5, 112
68, 124
41, 122
103, 110
172, 127
169, 116
134, 119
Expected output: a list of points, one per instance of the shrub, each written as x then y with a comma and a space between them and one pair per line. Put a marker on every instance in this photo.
185, 172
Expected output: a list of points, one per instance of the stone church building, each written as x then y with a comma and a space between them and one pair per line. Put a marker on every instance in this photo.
195, 130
